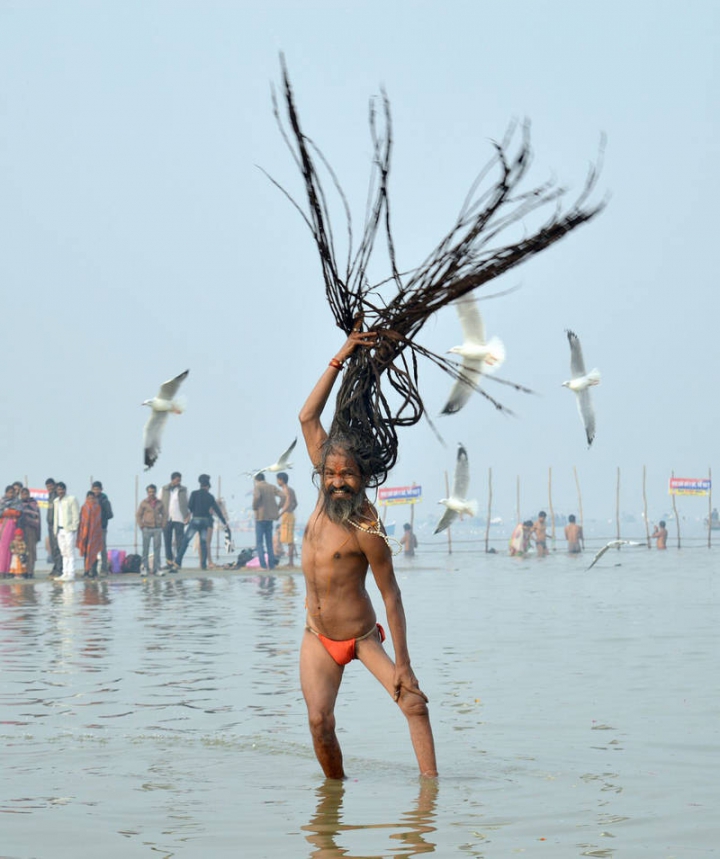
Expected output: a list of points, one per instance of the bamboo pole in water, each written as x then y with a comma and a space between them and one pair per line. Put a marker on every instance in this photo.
677, 518
617, 505
217, 530
519, 517
135, 541
489, 511
580, 507
550, 508
710, 509
447, 495
647, 524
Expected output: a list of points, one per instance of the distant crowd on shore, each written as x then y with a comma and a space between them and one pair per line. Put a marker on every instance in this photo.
172, 514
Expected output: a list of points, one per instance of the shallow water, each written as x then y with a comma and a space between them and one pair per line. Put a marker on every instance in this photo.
575, 714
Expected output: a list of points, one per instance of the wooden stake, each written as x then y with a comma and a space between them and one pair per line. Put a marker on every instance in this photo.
447, 495
135, 517
217, 530
580, 507
647, 524
617, 505
550, 508
519, 517
710, 509
489, 512
677, 518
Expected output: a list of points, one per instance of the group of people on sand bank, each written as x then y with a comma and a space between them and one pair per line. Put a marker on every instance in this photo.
528, 531
20, 531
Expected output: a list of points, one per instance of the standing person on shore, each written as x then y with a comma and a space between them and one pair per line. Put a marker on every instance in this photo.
201, 505
90, 534
150, 517
106, 514
287, 516
10, 509
55, 555
174, 497
343, 540
66, 521
266, 512
574, 536
30, 522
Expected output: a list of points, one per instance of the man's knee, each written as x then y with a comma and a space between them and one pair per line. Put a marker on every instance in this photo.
322, 723
412, 704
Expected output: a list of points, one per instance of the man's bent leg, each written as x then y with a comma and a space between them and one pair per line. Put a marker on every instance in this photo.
320, 678
372, 655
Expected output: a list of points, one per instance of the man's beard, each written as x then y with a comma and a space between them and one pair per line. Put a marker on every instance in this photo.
340, 508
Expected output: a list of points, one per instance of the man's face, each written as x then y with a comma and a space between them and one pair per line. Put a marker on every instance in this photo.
342, 487
60, 491
25, 494
49, 486
175, 481
96, 490
151, 493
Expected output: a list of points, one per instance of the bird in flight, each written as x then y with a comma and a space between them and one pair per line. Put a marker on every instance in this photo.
280, 465
162, 403
579, 383
478, 355
613, 544
457, 504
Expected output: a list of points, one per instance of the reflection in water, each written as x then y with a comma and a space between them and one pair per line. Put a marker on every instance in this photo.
326, 824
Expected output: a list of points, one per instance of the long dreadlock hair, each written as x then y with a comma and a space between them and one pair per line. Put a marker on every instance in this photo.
468, 257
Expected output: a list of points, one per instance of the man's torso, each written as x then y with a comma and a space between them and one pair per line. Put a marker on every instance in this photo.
335, 569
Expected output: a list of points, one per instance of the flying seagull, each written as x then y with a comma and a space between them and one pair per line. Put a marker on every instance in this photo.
478, 355
613, 544
280, 465
456, 504
161, 404
579, 382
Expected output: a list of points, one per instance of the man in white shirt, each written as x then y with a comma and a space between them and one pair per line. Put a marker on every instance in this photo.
66, 520
174, 497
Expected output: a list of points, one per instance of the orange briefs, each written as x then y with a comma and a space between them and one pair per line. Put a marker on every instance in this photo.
344, 651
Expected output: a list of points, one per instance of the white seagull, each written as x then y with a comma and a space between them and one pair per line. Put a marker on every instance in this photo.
456, 504
161, 404
478, 355
613, 544
579, 382
280, 465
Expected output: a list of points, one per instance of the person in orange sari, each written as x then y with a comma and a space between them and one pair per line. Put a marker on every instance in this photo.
90, 536
10, 510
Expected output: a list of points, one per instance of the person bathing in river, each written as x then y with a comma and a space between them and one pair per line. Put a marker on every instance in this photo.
342, 540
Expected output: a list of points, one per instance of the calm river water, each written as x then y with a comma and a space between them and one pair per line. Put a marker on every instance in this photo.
575, 714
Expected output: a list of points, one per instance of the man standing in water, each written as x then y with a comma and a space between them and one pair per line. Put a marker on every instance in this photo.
342, 540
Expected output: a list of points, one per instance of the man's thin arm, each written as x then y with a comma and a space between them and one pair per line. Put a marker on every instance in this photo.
312, 429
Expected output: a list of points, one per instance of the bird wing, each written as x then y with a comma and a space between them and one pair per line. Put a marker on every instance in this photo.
471, 321
461, 480
599, 555
282, 462
151, 437
462, 391
577, 364
448, 518
169, 389
587, 413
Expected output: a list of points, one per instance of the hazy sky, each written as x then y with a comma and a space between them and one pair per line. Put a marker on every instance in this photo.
138, 238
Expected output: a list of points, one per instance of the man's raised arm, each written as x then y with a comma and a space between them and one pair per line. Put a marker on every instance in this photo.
312, 429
